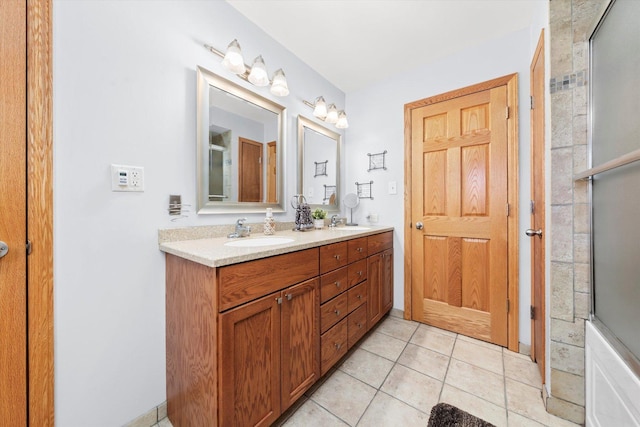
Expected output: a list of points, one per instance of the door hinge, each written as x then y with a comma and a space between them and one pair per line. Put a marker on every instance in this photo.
28, 247
532, 312
532, 207
532, 103
508, 209
507, 113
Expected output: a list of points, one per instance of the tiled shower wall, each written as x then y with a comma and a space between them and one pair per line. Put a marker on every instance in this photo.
570, 24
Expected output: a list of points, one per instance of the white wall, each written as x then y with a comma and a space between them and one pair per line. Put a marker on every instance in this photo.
376, 118
125, 92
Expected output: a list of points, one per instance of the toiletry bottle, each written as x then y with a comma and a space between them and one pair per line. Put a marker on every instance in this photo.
269, 223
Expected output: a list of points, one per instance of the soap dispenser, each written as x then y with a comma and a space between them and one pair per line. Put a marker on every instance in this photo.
269, 223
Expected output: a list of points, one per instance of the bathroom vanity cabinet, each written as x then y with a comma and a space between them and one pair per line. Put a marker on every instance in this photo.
246, 340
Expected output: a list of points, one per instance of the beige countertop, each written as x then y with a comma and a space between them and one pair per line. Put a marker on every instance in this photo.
213, 252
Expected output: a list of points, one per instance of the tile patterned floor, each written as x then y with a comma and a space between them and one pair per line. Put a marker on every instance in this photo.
403, 368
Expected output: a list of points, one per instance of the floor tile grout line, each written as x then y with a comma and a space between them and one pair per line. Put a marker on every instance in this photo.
446, 372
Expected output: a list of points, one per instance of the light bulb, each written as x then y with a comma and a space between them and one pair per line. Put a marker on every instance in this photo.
342, 120
332, 114
258, 75
320, 108
279, 86
233, 60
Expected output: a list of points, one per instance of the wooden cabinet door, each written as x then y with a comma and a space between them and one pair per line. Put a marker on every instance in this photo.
386, 279
300, 340
249, 368
374, 298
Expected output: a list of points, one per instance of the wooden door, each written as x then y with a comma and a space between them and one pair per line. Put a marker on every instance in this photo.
300, 340
249, 363
459, 194
249, 171
13, 214
537, 208
272, 173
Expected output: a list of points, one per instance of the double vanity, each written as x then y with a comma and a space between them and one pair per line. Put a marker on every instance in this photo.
253, 323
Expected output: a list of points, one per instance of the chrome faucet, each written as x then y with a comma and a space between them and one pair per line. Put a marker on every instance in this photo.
241, 229
334, 221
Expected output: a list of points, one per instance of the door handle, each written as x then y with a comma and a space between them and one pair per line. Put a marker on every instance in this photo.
3, 248
419, 225
530, 232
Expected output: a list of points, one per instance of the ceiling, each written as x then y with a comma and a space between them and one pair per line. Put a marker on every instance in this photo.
354, 43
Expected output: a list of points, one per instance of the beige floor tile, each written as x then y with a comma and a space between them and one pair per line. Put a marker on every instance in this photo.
413, 388
517, 355
554, 421
474, 405
426, 361
384, 345
438, 330
522, 370
367, 367
433, 339
313, 415
477, 381
517, 420
344, 396
386, 411
400, 329
164, 423
478, 355
480, 343
526, 400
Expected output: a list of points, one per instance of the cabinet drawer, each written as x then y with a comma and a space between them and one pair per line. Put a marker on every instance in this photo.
333, 256
356, 296
357, 249
356, 325
332, 284
380, 242
333, 311
240, 283
333, 345
357, 272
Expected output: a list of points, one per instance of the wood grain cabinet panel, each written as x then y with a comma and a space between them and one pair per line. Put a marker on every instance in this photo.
333, 256
240, 283
356, 296
245, 341
333, 346
356, 325
333, 311
357, 249
332, 284
357, 272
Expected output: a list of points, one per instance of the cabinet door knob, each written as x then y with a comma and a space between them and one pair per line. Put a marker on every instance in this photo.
359, 249
279, 300
359, 325
360, 273
359, 296
337, 257
337, 312
289, 296
337, 284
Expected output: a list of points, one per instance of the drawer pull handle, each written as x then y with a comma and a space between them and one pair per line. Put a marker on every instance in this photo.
360, 273
337, 257
359, 296
359, 249
337, 312
337, 284
338, 346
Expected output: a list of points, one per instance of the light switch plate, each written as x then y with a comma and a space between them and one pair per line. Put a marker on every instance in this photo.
127, 178
393, 187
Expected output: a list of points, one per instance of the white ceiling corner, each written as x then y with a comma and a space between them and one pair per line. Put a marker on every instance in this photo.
354, 43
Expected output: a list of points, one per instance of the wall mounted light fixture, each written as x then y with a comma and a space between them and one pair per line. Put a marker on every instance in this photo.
256, 74
329, 114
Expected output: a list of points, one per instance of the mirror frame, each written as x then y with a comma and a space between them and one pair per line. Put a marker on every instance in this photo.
205, 79
303, 122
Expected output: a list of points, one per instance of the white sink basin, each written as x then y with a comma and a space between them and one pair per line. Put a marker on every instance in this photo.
353, 228
258, 242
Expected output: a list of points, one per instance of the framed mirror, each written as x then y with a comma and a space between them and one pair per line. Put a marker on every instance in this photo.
319, 165
240, 146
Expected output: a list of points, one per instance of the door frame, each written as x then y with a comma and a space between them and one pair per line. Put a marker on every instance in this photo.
538, 169
511, 82
39, 147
